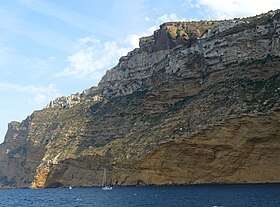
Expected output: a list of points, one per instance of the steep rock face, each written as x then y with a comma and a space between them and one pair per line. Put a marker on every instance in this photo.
228, 44
134, 71
198, 102
19, 156
240, 150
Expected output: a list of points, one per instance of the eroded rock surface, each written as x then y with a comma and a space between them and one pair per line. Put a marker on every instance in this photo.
198, 102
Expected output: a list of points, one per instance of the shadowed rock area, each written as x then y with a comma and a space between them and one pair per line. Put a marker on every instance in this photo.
198, 102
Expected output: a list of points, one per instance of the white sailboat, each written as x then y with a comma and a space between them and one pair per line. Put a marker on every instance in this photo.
104, 182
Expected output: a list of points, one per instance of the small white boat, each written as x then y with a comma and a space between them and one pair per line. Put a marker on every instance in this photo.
107, 188
70, 187
104, 182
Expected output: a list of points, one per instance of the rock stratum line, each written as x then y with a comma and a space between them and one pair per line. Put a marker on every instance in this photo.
198, 102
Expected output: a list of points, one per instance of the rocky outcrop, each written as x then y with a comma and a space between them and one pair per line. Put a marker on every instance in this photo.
198, 102
222, 44
240, 150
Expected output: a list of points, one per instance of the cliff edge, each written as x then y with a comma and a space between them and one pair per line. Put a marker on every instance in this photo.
198, 102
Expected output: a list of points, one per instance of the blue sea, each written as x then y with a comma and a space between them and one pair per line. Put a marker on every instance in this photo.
255, 195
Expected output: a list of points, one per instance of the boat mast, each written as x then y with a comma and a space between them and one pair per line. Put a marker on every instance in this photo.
104, 181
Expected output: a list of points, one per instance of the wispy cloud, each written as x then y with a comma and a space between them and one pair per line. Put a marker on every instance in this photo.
38, 94
235, 8
8, 19
93, 58
169, 18
13, 24
133, 39
69, 17
25, 69
45, 36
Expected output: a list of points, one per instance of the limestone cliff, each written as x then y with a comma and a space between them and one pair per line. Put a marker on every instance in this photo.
198, 102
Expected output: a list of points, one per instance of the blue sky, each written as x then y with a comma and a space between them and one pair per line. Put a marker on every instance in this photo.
51, 48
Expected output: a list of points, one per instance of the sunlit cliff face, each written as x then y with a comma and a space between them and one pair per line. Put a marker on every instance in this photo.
198, 102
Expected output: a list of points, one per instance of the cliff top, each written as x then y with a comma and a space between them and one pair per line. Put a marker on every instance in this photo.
169, 36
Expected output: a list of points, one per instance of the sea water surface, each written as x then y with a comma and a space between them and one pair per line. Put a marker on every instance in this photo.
255, 195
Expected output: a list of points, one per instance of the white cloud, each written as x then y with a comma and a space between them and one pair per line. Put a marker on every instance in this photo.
147, 19
38, 94
93, 58
40, 98
169, 18
236, 8
133, 39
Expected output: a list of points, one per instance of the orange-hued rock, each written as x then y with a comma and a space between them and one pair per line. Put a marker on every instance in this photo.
41, 176
198, 102
241, 150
